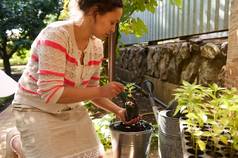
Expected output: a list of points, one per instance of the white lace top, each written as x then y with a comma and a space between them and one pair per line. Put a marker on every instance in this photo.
55, 64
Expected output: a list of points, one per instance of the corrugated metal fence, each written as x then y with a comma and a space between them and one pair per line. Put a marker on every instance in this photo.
195, 17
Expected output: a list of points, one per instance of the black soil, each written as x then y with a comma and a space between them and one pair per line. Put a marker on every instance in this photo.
140, 126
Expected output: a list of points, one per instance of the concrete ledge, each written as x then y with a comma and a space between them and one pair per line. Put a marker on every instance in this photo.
163, 90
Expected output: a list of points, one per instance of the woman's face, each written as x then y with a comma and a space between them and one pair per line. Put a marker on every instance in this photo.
106, 24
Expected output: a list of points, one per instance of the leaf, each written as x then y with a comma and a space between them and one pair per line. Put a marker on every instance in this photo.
178, 3
128, 23
201, 144
134, 26
191, 115
198, 133
217, 130
235, 146
224, 139
207, 134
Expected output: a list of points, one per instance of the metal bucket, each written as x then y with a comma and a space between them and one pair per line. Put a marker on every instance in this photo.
130, 144
170, 145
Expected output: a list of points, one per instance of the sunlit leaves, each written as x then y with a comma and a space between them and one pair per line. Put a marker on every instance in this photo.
134, 26
102, 128
178, 3
213, 108
201, 144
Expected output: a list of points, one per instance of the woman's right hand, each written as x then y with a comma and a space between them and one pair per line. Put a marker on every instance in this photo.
111, 89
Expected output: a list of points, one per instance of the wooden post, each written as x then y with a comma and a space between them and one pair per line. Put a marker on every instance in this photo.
112, 55
231, 79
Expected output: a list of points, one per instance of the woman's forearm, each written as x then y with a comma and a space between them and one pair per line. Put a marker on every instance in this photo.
72, 94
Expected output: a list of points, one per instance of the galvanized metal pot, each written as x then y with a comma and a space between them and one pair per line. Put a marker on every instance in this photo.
130, 144
169, 136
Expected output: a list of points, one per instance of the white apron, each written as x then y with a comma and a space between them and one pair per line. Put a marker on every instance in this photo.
69, 134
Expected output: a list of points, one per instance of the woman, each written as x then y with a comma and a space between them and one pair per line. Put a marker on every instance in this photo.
64, 70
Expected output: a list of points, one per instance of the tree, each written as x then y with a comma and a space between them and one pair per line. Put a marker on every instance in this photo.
20, 23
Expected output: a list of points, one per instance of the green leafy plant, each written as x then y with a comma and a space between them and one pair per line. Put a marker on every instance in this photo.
130, 104
130, 89
102, 128
155, 137
211, 113
104, 79
128, 93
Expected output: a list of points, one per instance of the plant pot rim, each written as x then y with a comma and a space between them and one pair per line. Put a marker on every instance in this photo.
131, 133
165, 114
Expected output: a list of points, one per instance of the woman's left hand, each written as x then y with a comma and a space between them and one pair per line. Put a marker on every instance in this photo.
121, 114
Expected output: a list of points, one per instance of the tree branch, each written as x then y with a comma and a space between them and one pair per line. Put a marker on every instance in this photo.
1, 52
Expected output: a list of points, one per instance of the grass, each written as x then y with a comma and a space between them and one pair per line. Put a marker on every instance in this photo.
15, 61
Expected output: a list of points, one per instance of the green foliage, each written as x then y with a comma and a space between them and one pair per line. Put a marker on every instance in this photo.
129, 89
178, 3
21, 21
3, 100
89, 105
103, 76
131, 25
50, 18
102, 128
155, 137
26, 16
19, 58
213, 107
22, 54
134, 26
64, 14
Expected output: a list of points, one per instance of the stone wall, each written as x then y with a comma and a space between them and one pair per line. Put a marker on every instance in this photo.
200, 61
194, 61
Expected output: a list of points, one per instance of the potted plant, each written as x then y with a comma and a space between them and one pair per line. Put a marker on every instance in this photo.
130, 140
209, 127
